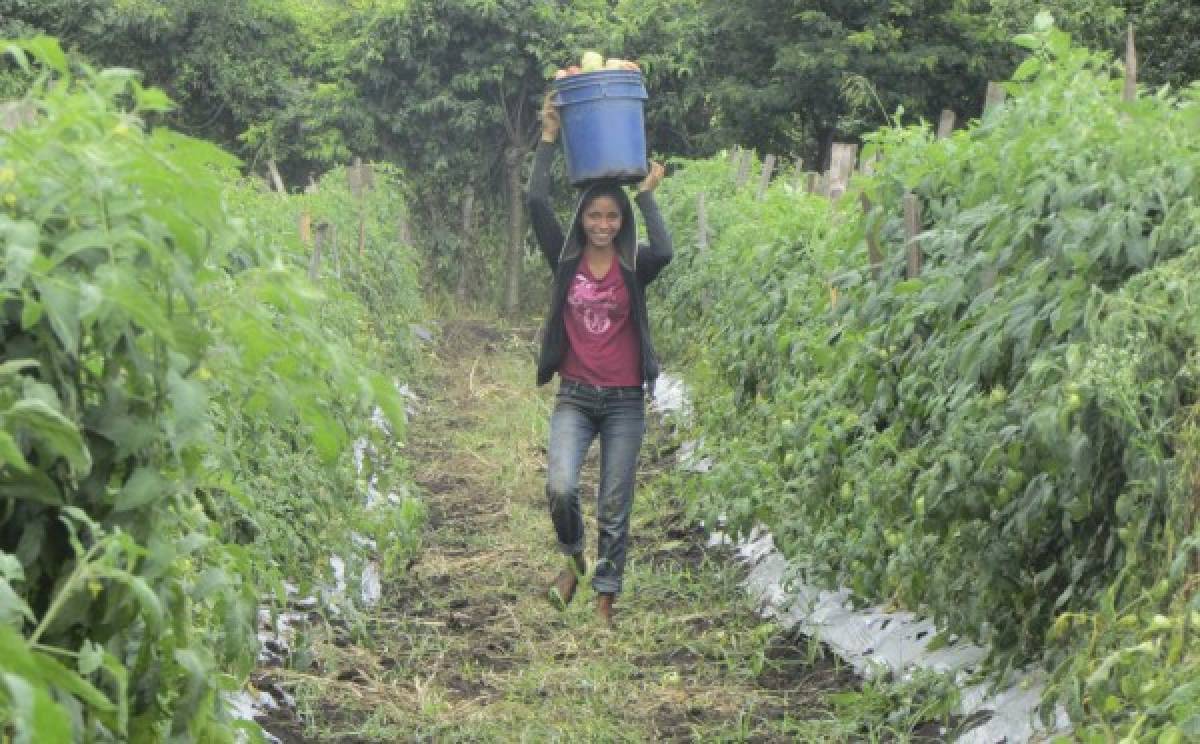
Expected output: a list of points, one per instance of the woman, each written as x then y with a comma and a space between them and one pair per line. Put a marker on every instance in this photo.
597, 339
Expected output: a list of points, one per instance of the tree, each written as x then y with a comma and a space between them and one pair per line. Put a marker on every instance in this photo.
456, 86
248, 75
1168, 33
784, 65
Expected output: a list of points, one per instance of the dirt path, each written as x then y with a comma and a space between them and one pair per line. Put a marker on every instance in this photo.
466, 648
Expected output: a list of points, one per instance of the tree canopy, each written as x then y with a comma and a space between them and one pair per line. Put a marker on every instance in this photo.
449, 89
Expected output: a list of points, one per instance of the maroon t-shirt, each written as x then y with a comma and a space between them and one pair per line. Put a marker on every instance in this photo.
603, 347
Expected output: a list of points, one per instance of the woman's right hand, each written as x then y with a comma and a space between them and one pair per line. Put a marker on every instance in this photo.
551, 122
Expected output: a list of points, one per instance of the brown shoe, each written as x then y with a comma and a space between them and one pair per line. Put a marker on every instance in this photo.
604, 608
562, 591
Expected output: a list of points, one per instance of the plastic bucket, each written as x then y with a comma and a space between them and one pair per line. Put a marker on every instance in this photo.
603, 131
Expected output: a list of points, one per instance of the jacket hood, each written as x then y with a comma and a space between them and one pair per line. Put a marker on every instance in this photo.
626, 240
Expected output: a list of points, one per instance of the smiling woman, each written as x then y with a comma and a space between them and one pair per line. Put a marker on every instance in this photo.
597, 340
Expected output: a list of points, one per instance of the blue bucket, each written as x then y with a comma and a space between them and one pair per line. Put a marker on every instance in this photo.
604, 135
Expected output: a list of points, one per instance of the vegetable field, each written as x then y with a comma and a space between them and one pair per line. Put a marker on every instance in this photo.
1003, 434
277, 438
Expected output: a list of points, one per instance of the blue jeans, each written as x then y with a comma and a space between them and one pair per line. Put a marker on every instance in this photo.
618, 417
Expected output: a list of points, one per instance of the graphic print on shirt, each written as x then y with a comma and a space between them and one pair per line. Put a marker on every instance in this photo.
594, 305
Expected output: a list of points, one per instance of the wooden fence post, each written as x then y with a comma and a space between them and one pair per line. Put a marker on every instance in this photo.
841, 165
337, 253
701, 224
994, 97
305, 227
467, 223
1129, 95
16, 114
320, 235
813, 183
946, 124
765, 180
874, 254
912, 228
403, 231
275, 177
743, 171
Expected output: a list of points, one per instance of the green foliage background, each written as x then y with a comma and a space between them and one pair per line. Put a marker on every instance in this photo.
449, 89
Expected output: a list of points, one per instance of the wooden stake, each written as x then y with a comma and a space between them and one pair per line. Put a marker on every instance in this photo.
337, 254
811, 187
321, 235
841, 165
995, 96
16, 114
765, 180
275, 177
743, 171
403, 231
1131, 68
305, 227
946, 124
701, 224
874, 254
469, 250
912, 228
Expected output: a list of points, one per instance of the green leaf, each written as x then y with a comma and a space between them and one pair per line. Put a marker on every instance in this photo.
20, 249
53, 429
61, 305
153, 99
188, 417
143, 487
13, 609
137, 301
36, 718
16, 366
91, 657
146, 597
18, 54
1028, 69
80, 241
1027, 41
69, 681
47, 50
10, 454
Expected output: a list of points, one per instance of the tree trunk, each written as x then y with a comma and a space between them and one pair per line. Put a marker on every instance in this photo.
467, 265
516, 229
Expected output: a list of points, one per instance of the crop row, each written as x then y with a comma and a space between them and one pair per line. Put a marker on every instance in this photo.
1007, 440
177, 404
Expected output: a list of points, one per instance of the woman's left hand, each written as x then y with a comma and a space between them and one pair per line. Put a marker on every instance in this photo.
653, 178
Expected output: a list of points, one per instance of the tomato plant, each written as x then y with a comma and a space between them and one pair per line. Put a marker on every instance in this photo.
995, 441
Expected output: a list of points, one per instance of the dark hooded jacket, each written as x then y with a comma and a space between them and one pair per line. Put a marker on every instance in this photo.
639, 264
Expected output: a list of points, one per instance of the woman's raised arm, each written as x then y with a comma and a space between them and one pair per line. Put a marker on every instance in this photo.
546, 229
660, 250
